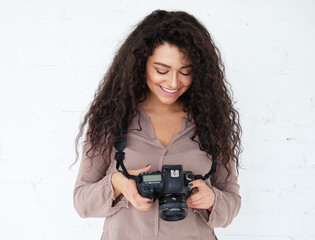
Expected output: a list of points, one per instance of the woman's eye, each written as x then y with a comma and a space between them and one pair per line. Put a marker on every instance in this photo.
185, 74
161, 72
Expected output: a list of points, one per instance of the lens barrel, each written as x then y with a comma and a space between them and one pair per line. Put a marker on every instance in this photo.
172, 207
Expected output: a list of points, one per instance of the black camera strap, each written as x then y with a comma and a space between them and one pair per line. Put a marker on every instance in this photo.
204, 139
120, 155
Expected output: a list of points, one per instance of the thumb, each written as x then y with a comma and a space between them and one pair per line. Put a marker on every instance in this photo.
146, 169
138, 171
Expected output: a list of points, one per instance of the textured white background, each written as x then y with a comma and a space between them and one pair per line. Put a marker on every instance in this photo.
53, 55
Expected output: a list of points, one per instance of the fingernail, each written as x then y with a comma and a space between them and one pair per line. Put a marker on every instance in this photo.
149, 202
189, 185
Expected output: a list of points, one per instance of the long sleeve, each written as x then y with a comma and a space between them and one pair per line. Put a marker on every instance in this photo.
227, 199
93, 194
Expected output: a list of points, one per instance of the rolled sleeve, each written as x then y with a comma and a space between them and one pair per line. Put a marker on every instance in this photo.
93, 194
225, 208
227, 202
97, 199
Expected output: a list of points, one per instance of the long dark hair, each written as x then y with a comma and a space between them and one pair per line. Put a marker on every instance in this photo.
124, 86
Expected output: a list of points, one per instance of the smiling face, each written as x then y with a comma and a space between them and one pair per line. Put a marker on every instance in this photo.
168, 74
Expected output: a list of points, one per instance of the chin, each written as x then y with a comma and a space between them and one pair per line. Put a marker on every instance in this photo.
168, 102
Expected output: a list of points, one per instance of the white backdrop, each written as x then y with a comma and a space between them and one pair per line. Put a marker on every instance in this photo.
53, 55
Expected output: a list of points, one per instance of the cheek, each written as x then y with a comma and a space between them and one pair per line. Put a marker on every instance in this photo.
187, 83
153, 78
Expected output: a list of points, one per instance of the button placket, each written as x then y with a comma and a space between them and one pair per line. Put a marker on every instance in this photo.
157, 216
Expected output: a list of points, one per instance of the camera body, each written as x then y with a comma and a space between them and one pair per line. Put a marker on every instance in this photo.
170, 187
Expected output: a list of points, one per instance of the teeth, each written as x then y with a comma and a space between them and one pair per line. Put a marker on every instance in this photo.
170, 91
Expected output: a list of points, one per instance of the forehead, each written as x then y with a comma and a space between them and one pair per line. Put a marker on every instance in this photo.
170, 55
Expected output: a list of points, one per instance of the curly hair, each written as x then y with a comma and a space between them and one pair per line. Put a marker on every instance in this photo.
124, 86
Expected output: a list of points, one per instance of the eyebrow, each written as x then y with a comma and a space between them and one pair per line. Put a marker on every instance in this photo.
164, 65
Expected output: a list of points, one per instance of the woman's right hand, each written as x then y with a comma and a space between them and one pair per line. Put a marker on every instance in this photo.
128, 188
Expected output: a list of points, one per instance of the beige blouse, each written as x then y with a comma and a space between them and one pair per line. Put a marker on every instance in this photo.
94, 196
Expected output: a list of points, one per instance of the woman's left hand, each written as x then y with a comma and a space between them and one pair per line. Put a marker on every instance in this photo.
202, 196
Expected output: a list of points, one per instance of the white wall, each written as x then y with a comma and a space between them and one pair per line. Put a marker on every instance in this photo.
54, 53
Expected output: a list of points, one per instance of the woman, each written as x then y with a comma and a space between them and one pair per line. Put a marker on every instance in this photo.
165, 77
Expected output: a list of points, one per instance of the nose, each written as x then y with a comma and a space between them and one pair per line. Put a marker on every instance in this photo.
172, 81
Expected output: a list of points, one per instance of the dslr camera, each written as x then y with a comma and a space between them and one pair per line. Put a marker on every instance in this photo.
169, 186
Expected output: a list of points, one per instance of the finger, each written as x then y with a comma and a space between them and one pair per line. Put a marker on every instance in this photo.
145, 208
200, 184
203, 199
138, 171
141, 200
206, 192
200, 205
143, 205
196, 196
191, 205
197, 201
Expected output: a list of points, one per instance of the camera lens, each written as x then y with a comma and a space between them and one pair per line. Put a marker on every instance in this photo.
172, 207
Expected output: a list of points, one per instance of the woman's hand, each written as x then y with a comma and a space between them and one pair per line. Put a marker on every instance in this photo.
202, 196
128, 188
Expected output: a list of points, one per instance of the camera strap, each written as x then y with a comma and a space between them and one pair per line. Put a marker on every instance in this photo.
203, 137
120, 155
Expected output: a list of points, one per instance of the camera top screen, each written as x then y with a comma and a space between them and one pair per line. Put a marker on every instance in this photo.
152, 178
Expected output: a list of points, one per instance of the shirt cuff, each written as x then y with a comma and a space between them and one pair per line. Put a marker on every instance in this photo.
217, 199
